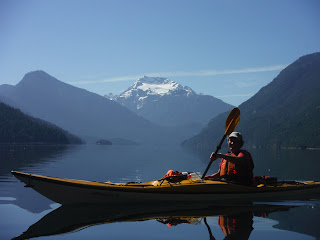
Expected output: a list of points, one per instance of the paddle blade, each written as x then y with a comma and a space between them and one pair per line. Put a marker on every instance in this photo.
232, 120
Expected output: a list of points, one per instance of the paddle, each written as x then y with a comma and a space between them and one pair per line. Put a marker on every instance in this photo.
231, 123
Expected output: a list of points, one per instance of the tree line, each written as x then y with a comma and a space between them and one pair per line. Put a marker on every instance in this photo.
17, 127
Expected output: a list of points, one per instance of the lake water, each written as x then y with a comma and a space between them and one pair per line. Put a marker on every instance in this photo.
24, 210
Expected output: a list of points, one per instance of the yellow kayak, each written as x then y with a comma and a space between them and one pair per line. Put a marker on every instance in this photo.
70, 191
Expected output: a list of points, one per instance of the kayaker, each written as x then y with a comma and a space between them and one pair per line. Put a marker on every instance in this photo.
237, 165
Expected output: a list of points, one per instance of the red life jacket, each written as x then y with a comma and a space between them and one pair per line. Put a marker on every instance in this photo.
241, 170
174, 176
227, 224
236, 227
171, 173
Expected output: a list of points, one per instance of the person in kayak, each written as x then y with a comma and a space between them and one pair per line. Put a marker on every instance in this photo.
237, 165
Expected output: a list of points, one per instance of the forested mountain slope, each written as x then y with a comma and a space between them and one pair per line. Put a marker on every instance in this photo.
17, 127
283, 114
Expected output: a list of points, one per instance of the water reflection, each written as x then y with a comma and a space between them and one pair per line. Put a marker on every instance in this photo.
143, 163
20, 156
31, 157
236, 222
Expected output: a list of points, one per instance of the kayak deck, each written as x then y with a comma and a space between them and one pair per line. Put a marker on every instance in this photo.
69, 191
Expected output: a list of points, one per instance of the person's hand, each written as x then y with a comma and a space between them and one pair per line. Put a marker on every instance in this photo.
214, 156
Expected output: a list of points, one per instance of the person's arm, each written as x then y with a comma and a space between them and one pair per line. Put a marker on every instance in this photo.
215, 175
231, 158
213, 157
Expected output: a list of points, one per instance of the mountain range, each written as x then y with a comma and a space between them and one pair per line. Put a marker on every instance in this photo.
167, 103
76, 110
283, 114
92, 117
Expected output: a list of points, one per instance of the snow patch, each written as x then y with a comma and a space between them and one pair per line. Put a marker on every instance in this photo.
158, 89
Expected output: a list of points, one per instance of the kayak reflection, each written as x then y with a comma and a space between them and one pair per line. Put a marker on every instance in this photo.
235, 221
234, 226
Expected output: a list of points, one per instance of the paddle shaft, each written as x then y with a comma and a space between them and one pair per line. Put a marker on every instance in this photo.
231, 123
209, 229
211, 161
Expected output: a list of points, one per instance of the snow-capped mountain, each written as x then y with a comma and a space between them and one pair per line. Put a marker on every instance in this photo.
168, 103
156, 86
148, 89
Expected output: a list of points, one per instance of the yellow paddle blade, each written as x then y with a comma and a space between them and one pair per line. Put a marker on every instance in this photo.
232, 120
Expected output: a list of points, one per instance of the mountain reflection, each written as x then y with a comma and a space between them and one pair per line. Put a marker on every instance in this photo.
236, 222
19, 156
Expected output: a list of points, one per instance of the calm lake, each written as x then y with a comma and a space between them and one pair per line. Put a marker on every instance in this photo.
24, 210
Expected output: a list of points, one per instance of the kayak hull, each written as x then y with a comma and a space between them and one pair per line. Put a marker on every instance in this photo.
68, 191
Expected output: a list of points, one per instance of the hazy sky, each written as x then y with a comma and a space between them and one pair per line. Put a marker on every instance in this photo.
227, 48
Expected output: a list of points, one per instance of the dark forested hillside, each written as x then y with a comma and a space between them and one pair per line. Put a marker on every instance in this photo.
17, 127
285, 113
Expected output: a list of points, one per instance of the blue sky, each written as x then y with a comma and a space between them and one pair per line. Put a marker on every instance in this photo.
228, 49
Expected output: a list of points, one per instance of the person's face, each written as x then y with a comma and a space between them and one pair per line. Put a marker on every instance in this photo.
234, 144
